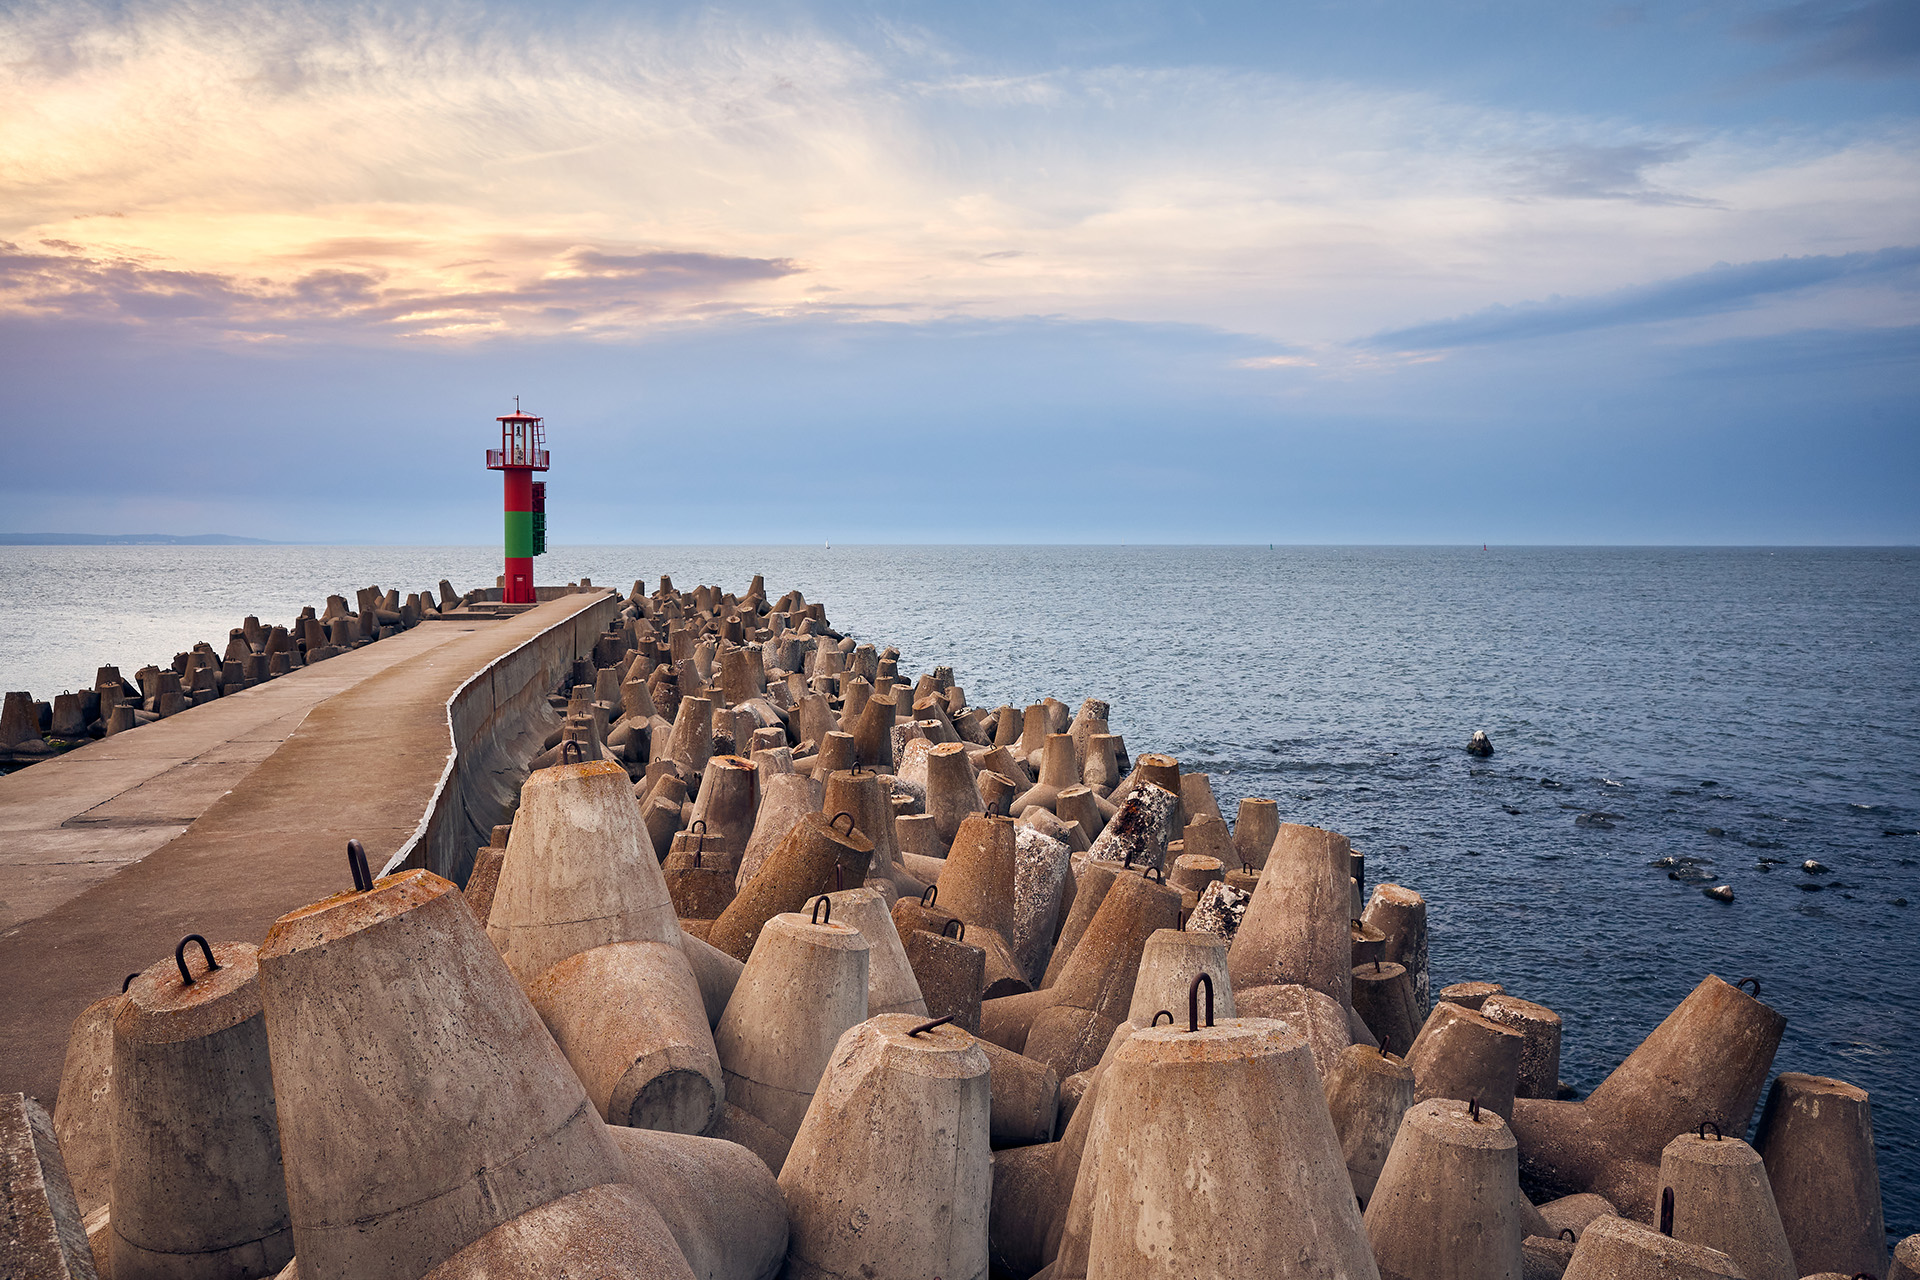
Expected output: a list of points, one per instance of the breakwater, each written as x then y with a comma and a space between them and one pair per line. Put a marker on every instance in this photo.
253, 653
919, 784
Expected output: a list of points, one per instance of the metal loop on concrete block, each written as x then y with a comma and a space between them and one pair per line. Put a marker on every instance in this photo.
1473, 1108
180, 957
1193, 1001
1385, 1042
1706, 1125
1164, 1013
930, 895
1568, 1233
1666, 1211
958, 927
1756, 985
822, 904
578, 752
925, 1027
834, 823
127, 983
357, 864
1159, 876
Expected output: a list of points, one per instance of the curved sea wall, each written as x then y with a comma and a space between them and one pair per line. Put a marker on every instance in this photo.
498, 720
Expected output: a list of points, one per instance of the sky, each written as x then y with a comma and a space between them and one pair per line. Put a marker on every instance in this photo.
1392, 271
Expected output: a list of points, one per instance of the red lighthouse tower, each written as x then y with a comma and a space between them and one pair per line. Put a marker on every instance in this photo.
522, 451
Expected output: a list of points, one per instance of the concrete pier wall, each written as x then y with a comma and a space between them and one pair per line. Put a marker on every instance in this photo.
498, 720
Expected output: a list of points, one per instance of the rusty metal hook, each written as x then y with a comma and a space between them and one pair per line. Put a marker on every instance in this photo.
925, 1027
1164, 1013
1473, 1108
357, 864
1666, 1211
820, 904
180, 957
1706, 1125
1756, 985
1193, 1001
959, 928
1159, 875
1568, 1233
572, 745
930, 895
833, 823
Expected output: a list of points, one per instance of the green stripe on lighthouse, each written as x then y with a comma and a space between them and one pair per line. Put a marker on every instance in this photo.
519, 534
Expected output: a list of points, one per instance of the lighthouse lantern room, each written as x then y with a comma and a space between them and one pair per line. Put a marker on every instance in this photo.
522, 451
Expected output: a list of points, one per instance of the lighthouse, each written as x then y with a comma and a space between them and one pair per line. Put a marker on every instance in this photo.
522, 451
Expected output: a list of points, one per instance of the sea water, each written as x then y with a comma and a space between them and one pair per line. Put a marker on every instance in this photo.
1740, 711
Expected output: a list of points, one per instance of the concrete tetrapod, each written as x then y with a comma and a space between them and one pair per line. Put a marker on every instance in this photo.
952, 796
891, 986
1616, 1249
1095, 989
977, 887
83, 1113
890, 1175
1447, 1205
580, 871
789, 797
728, 802
803, 986
1906, 1260
1311, 1013
820, 855
1138, 832
951, 971
866, 797
1721, 1198
1255, 828
1368, 1094
1705, 1061
1383, 997
1175, 1106
1296, 928
607, 1232
1539, 1075
395, 1031
630, 1018
1816, 1136
1463, 1056
1026, 1098
193, 1090
1401, 914
723, 1206
1042, 879
41, 1235
1169, 963
1089, 891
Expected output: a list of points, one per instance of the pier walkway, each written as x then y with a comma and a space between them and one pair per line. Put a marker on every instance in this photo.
220, 819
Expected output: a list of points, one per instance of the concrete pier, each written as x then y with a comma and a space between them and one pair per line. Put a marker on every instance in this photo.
225, 816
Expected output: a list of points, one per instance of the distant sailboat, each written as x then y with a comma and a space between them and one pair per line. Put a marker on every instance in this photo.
829, 544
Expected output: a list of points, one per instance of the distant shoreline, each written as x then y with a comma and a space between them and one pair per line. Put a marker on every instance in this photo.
133, 540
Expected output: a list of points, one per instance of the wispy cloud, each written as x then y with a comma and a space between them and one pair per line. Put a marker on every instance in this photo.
587, 290
1724, 287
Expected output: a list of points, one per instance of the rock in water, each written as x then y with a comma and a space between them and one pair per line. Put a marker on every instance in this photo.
1480, 744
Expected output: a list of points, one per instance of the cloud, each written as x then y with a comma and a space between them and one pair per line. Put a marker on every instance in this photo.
1875, 38
1722, 287
586, 289
1588, 172
462, 166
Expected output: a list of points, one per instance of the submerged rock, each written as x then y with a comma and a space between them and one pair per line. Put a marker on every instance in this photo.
1480, 744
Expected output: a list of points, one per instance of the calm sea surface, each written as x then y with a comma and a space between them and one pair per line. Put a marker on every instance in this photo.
1744, 709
